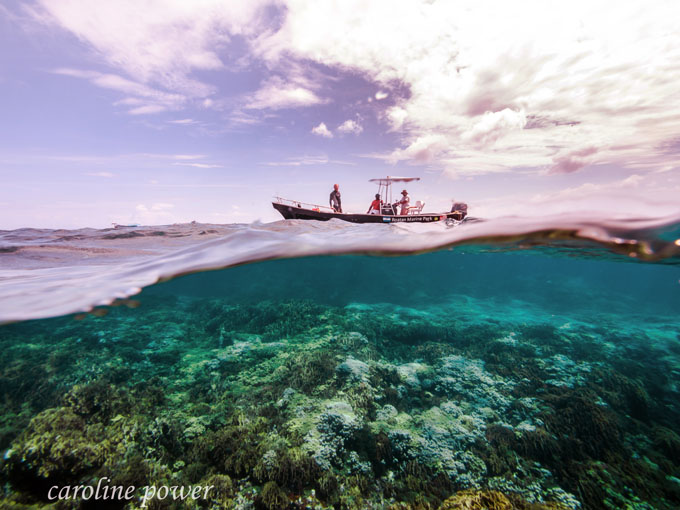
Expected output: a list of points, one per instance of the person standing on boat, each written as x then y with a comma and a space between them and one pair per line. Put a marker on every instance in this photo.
404, 202
334, 200
375, 205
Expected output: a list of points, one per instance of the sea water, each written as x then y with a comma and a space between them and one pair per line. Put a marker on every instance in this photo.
489, 364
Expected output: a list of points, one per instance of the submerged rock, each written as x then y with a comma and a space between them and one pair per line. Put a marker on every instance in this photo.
386, 413
335, 427
466, 380
353, 369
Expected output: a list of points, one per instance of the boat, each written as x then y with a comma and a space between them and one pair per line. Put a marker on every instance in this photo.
296, 210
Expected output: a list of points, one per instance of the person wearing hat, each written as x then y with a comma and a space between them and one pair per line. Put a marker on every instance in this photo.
375, 206
404, 202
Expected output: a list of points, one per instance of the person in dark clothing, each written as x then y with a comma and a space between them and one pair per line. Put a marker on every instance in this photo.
334, 200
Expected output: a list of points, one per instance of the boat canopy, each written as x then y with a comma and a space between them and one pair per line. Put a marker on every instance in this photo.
386, 181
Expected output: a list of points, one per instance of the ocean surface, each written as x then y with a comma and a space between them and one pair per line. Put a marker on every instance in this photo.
516, 363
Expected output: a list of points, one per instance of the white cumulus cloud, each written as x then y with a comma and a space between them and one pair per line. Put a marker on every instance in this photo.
277, 93
350, 126
322, 130
157, 41
480, 87
494, 125
473, 87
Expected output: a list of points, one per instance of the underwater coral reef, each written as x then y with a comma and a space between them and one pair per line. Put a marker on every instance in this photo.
294, 404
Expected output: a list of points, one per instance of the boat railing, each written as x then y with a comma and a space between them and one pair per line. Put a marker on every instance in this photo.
306, 205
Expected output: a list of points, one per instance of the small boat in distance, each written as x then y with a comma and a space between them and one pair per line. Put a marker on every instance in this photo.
296, 210
118, 225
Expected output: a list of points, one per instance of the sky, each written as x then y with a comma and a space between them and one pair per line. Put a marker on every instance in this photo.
164, 111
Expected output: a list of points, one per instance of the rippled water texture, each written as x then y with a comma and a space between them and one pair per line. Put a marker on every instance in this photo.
502, 364
46, 273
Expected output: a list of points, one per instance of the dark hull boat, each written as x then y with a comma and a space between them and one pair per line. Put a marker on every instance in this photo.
292, 210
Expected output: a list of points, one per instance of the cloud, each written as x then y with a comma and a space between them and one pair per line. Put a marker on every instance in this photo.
179, 156
154, 214
147, 109
198, 165
301, 161
104, 165
145, 99
586, 191
322, 130
166, 44
235, 216
494, 125
350, 126
472, 88
157, 41
572, 161
423, 149
183, 122
277, 94
396, 117
156, 207
635, 196
465, 79
99, 174
241, 118
308, 160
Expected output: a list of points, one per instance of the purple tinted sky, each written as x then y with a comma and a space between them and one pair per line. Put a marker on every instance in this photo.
161, 112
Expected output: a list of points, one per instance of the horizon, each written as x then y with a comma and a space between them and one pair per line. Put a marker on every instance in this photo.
160, 112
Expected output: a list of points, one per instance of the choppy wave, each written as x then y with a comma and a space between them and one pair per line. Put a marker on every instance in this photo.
47, 273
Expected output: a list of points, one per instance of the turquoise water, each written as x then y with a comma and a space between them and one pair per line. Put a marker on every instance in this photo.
490, 374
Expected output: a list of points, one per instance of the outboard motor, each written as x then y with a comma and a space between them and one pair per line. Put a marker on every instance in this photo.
460, 207
389, 209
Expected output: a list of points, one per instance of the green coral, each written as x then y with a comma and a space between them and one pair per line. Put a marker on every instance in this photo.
239, 396
494, 500
273, 497
56, 448
308, 371
290, 467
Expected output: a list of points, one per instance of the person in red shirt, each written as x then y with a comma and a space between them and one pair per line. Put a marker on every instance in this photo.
375, 205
